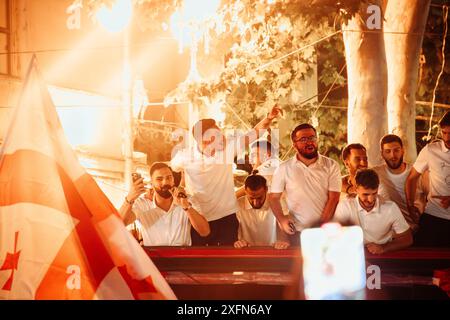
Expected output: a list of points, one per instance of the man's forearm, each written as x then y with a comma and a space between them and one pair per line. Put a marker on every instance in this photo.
410, 190
198, 222
255, 133
327, 213
411, 187
281, 236
398, 243
330, 207
126, 213
264, 124
275, 205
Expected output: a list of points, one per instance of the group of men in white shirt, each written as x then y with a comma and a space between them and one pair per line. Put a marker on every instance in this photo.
285, 198
421, 191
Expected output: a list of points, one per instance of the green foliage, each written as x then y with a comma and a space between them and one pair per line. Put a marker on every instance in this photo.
260, 71
432, 53
256, 40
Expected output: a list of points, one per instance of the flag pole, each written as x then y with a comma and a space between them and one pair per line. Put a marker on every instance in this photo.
127, 110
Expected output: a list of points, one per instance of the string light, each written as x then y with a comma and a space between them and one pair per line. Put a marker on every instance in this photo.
430, 125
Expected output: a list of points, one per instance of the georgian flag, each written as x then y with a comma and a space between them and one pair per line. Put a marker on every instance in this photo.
60, 237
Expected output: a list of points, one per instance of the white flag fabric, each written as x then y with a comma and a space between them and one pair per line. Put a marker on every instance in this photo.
60, 236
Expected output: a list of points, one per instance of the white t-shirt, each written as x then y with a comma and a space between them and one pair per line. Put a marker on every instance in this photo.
307, 187
435, 157
161, 228
392, 187
378, 225
210, 180
392, 183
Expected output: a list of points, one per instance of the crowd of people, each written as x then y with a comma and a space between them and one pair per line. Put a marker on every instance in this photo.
397, 204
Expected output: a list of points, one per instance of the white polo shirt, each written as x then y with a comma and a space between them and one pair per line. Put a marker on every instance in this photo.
378, 225
256, 226
210, 180
161, 228
307, 187
392, 187
436, 157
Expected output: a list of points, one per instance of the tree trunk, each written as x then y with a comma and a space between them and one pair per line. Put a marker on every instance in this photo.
367, 84
402, 55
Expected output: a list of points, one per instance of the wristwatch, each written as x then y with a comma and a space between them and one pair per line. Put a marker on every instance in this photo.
129, 202
188, 207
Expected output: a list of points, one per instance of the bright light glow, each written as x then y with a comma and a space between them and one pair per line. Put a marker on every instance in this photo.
72, 60
146, 60
89, 119
186, 24
117, 18
200, 10
140, 98
216, 110
333, 262
285, 25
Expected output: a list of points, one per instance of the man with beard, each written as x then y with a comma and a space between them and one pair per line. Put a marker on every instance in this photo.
257, 224
208, 172
311, 182
393, 176
167, 220
354, 157
434, 224
384, 227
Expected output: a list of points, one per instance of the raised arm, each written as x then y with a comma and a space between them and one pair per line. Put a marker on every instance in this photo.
267, 121
125, 210
198, 221
264, 124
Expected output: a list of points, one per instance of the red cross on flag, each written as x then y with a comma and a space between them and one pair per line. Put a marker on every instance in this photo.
60, 237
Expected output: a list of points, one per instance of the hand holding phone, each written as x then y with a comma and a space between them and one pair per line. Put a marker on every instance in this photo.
137, 188
178, 192
136, 176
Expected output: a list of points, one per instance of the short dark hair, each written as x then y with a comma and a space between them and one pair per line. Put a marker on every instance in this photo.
445, 120
348, 149
367, 178
157, 166
302, 126
389, 138
202, 126
255, 181
262, 144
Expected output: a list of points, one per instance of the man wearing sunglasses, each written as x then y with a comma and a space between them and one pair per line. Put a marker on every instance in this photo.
311, 182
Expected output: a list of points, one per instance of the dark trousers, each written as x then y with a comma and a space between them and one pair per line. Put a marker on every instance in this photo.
433, 232
224, 232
